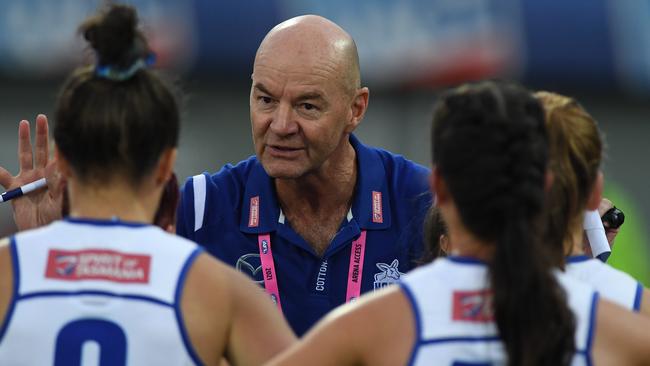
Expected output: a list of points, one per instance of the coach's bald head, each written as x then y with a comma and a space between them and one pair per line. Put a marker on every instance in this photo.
315, 41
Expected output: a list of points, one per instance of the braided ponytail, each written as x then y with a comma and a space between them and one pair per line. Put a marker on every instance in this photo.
490, 147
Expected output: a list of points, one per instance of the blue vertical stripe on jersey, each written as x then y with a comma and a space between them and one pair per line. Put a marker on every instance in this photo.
638, 297
177, 306
418, 325
592, 326
16, 279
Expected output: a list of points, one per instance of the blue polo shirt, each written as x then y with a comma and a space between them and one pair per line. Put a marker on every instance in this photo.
390, 202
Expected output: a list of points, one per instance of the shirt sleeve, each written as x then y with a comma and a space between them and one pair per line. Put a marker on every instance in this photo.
185, 212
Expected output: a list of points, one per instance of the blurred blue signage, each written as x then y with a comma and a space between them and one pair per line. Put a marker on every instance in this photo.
38, 38
427, 42
630, 24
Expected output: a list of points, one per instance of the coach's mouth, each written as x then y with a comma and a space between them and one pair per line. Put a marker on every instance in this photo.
280, 151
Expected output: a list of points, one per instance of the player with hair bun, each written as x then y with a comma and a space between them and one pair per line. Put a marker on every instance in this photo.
104, 285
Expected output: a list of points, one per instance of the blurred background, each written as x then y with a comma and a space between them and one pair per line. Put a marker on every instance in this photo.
595, 50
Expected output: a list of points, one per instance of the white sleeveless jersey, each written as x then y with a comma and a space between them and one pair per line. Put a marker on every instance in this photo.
97, 293
612, 284
454, 321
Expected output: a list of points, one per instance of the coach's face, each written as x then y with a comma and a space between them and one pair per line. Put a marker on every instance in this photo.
302, 111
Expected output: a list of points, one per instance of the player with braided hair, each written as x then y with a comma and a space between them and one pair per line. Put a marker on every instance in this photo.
497, 298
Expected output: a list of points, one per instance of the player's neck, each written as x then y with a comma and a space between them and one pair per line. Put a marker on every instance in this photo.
328, 188
574, 244
111, 201
467, 245
462, 242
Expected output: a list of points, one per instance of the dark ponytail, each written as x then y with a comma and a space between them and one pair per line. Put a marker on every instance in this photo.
490, 147
116, 116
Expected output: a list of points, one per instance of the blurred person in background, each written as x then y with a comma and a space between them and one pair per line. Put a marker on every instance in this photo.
105, 276
436, 236
315, 216
497, 300
576, 150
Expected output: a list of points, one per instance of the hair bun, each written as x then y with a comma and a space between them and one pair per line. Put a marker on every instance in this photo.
114, 36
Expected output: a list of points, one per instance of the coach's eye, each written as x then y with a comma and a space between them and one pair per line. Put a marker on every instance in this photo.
266, 100
309, 107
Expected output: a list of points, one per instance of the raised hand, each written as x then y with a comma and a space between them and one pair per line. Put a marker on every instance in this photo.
611, 233
43, 206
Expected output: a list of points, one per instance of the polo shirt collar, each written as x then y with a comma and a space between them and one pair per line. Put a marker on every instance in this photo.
259, 196
370, 208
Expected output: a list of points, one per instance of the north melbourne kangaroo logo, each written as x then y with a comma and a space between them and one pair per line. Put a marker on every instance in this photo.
389, 274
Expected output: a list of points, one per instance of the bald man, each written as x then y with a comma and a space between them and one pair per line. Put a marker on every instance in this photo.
315, 217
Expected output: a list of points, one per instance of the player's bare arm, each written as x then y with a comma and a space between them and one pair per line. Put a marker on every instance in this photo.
354, 330
227, 315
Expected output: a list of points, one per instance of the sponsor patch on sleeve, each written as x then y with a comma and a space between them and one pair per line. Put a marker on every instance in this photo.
96, 264
473, 306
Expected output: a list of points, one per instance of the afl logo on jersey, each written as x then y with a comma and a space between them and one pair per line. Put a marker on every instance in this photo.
265, 246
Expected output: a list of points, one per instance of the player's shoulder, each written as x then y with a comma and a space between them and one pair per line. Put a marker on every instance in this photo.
595, 270
171, 241
426, 271
428, 279
611, 271
216, 281
575, 287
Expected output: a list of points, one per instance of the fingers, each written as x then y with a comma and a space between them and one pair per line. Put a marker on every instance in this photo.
25, 158
5, 178
604, 206
42, 151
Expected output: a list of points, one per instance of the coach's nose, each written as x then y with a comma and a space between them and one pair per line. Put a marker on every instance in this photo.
283, 123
